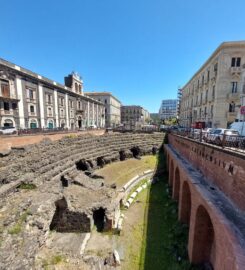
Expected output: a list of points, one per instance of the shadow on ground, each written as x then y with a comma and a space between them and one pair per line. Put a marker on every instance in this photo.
165, 239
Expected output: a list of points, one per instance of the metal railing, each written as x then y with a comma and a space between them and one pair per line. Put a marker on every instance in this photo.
233, 142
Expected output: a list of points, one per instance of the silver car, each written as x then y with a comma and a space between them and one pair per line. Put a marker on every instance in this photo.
8, 130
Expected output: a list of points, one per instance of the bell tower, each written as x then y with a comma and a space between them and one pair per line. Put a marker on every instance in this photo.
75, 82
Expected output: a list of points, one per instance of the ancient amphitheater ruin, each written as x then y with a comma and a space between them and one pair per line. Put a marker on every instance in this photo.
64, 194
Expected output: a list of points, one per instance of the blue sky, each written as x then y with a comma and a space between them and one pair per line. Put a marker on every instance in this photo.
140, 50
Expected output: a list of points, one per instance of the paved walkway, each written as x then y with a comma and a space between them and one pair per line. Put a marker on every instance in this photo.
6, 142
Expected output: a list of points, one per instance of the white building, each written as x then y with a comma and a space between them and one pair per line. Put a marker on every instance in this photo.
112, 107
29, 100
168, 109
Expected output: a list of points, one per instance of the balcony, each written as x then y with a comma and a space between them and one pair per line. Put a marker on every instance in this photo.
233, 96
7, 112
214, 75
210, 98
231, 116
32, 114
235, 70
31, 100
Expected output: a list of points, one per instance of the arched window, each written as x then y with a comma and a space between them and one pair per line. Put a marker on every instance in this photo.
50, 112
32, 109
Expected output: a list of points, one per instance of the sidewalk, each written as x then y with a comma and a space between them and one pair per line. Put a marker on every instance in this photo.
6, 142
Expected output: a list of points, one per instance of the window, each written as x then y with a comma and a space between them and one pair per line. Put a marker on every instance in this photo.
208, 75
5, 88
30, 93
105, 101
61, 113
234, 87
216, 67
235, 61
50, 112
232, 107
213, 92
49, 99
14, 106
6, 106
61, 101
32, 109
79, 105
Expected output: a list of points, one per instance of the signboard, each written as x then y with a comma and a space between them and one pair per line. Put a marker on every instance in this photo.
242, 110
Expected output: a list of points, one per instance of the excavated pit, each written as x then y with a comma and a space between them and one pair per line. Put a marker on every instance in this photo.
65, 220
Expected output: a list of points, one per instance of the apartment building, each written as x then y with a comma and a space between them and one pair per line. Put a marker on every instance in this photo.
168, 109
213, 96
134, 116
112, 107
29, 100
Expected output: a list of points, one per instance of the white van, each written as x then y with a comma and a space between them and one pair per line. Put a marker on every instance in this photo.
239, 126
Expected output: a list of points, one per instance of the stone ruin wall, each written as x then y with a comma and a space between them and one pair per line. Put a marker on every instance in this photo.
224, 168
52, 168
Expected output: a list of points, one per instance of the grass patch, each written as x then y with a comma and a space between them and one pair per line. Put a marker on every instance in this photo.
122, 171
158, 234
54, 260
165, 239
16, 229
27, 186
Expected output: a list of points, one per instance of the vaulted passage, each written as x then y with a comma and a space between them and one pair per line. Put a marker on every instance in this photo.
64, 181
68, 221
185, 204
122, 155
204, 238
176, 184
100, 161
135, 151
99, 219
82, 165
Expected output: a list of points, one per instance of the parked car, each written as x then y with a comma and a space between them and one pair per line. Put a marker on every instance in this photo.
93, 126
206, 133
8, 130
217, 137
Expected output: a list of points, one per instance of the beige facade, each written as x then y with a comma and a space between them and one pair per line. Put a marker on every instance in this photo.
134, 116
214, 94
112, 107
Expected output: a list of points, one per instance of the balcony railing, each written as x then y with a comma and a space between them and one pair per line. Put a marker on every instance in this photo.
235, 70
235, 95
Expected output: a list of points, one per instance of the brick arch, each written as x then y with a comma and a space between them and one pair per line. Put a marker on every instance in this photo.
204, 238
185, 203
176, 185
171, 172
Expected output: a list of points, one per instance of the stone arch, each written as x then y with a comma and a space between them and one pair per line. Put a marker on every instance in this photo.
185, 204
171, 173
176, 186
33, 123
8, 122
204, 238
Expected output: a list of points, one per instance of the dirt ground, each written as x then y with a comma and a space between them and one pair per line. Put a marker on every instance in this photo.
122, 171
7, 142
